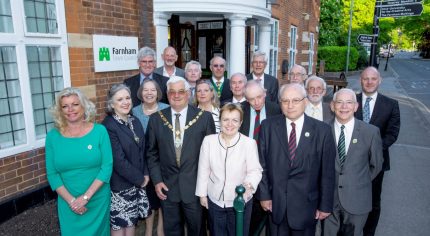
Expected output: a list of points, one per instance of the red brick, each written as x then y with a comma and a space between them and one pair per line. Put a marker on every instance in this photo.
11, 190
10, 175
2, 193
9, 160
29, 183
10, 182
13, 166
27, 176
27, 162
27, 169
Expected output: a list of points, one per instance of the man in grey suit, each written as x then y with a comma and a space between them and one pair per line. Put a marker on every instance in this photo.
270, 83
175, 135
168, 69
359, 160
316, 89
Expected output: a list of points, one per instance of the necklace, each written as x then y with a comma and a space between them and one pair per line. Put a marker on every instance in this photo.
149, 110
190, 123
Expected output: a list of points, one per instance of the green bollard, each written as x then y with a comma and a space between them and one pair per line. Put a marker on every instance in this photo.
239, 207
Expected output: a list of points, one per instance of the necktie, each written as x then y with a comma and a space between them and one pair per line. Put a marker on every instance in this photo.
315, 112
292, 143
256, 125
258, 80
366, 110
341, 146
218, 83
178, 144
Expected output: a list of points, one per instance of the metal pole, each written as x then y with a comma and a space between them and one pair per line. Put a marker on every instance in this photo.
351, 9
239, 207
388, 56
372, 60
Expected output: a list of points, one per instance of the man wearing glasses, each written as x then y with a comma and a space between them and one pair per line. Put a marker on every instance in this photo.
297, 74
220, 83
359, 160
297, 154
270, 83
316, 89
175, 135
146, 59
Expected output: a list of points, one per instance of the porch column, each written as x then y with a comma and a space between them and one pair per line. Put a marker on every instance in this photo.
161, 34
264, 32
237, 43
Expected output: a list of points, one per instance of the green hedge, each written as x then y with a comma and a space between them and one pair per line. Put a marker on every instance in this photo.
335, 57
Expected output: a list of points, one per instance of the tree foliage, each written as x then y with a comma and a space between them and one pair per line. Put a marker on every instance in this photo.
331, 19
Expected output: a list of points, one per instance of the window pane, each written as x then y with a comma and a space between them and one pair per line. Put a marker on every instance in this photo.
4, 107
41, 16
6, 24
15, 105
13, 88
48, 62
34, 68
18, 121
5, 124
19, 137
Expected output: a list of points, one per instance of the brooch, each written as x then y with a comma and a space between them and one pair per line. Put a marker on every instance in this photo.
354, 140
90, 147
307, 134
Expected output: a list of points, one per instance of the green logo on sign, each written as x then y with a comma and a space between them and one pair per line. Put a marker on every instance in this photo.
104, 54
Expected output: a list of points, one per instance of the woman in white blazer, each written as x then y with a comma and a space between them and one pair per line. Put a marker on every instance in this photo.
227, 159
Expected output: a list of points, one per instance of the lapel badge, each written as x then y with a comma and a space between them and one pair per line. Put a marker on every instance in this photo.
354, 140
90, 146
307, 134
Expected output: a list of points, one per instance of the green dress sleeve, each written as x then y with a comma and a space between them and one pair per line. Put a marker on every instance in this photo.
52, 174
106, 152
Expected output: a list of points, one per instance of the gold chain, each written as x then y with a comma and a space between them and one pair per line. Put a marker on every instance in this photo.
190, 123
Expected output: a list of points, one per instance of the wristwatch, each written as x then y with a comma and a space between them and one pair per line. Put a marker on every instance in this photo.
86, 198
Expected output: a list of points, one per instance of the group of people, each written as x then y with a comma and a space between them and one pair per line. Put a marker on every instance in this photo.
175, 145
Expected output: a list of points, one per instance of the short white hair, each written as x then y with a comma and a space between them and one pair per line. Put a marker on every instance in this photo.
175, 79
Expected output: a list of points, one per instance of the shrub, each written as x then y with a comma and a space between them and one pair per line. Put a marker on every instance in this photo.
335, 57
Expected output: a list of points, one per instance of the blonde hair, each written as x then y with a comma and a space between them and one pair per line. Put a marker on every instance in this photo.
214, 100
57, 111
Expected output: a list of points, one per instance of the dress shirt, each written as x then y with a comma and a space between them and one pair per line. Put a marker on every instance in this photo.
371, 103
299, 126
142, 77
215, 80
234, 100
262, 78
167, 74
349, 127
252, 119
318, 109
182, 120
222, 167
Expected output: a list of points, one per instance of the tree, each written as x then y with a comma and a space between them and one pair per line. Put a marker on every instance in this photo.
331, 18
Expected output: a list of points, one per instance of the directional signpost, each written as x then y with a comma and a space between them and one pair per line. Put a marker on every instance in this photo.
400, 8
365, 38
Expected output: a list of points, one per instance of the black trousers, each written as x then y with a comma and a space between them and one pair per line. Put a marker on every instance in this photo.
373, 218
259, 218
284, 229
175, 214
222, 221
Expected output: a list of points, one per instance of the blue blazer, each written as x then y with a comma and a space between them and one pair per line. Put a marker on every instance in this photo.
129, 162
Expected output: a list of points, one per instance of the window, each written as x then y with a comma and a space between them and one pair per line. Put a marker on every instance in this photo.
40, 16
273, 57
311, 53
293, 48
6, 25
33, 68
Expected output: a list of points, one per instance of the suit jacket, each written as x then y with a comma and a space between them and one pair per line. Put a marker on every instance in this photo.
271, 85
385, 116
272, 109
134, 83
362, 164
328, 114
225, 92
297, 193
129, 163
179, 72
181, 181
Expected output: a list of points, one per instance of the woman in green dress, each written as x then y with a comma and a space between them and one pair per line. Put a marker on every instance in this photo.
79, 165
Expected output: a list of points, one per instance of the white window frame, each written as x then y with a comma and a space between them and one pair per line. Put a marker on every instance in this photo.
20, 39
311, 53
292, 50
274, 50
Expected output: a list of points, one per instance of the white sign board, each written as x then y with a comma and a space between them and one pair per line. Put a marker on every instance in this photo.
114, 53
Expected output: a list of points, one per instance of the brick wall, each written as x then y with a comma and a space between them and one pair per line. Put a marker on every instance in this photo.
25, 172
293, 12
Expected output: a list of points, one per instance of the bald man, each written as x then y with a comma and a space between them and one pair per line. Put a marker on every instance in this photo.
169, 57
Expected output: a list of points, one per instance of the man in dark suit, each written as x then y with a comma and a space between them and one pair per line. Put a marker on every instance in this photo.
270, 83
175, 135
384, 113
359, 160
255, 110
221, 84
297, 154
146, 59
168, 69
237, 86
316, 108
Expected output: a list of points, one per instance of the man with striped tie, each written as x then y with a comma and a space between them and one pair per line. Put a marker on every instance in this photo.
359, 160
383, 112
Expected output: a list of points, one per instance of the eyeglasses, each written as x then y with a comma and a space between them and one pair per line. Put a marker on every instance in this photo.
259, 62
218, 65
147, 62
181, 92
193, 71
295, 74
294, 101
318, 89
341, 103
